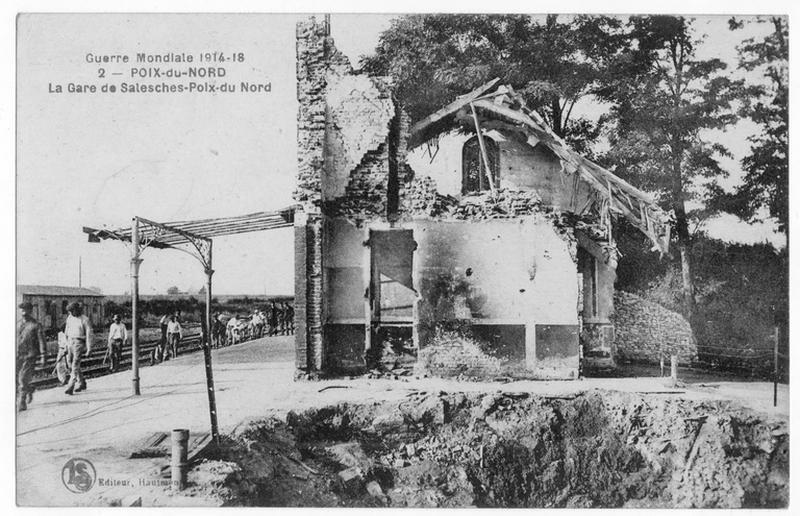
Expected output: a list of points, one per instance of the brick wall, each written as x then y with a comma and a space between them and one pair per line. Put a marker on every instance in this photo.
314, 310
349, 130
311, 81
314, 60
300, 290
643, 329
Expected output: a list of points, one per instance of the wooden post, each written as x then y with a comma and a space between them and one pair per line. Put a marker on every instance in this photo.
775, 372
674, 369
135, 262
483, 150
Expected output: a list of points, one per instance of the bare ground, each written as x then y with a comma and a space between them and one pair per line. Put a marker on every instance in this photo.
419, 442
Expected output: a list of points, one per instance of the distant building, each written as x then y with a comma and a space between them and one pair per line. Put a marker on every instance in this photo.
50, 303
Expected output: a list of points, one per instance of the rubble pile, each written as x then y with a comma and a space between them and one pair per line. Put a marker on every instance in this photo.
391, 358
505, 204
422, 198
644, 330
598, 449
453, 354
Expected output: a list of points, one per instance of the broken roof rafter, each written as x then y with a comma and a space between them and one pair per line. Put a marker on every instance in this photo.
501, 103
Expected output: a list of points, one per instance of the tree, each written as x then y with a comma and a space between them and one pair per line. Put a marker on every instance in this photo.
766, 167
554, 62
661, 108
172, 291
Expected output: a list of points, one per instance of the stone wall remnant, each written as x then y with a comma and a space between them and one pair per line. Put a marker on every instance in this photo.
645, 330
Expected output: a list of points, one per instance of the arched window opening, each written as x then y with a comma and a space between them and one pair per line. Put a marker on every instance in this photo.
474, 178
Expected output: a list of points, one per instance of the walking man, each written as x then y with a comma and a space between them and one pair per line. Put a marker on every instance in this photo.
161, 350
30, 346
174, 335
78, 330
117, 337
232, 329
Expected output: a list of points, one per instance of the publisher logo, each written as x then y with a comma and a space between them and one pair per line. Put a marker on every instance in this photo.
78, 475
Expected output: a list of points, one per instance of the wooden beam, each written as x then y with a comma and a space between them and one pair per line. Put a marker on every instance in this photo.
486, 164
417, 130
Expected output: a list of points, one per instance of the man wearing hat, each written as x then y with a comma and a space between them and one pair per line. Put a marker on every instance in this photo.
117, 336
30, 346
78, 330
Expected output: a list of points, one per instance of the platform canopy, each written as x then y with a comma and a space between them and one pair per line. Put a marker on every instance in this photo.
194, 237
170, 234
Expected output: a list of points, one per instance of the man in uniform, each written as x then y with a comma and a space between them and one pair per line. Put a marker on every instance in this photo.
30, 346
217, 331
289, 311
272, 317
79, 334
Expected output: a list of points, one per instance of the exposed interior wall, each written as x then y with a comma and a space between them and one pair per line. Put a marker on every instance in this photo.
495, 277
515, 279
344, 295
522, 167
527, 167
503, 273
356, 169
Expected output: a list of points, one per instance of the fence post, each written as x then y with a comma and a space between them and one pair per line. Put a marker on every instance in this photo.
775, 372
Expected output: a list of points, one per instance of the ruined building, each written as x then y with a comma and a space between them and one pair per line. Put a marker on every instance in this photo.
505, 253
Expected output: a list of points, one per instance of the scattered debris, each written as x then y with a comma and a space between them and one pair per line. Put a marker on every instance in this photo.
335, 387
437, 449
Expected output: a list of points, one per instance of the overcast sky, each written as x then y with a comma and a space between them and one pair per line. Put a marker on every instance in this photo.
98, 159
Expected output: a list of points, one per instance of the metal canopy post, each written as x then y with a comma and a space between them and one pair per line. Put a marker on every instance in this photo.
135, 262
202, 252
145, 233
212, 401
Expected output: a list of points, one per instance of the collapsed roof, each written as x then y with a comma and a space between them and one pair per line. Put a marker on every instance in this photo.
500, 103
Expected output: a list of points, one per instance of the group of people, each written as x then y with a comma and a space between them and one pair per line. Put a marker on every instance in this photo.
76, 343
76, 339
171, 336
277, 319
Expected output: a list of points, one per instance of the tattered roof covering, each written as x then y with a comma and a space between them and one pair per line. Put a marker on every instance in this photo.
499, 102
56, 290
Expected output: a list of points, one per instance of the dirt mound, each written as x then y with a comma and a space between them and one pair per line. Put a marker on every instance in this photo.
514, 450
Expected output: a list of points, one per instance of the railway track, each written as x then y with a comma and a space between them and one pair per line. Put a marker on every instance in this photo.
93, 365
